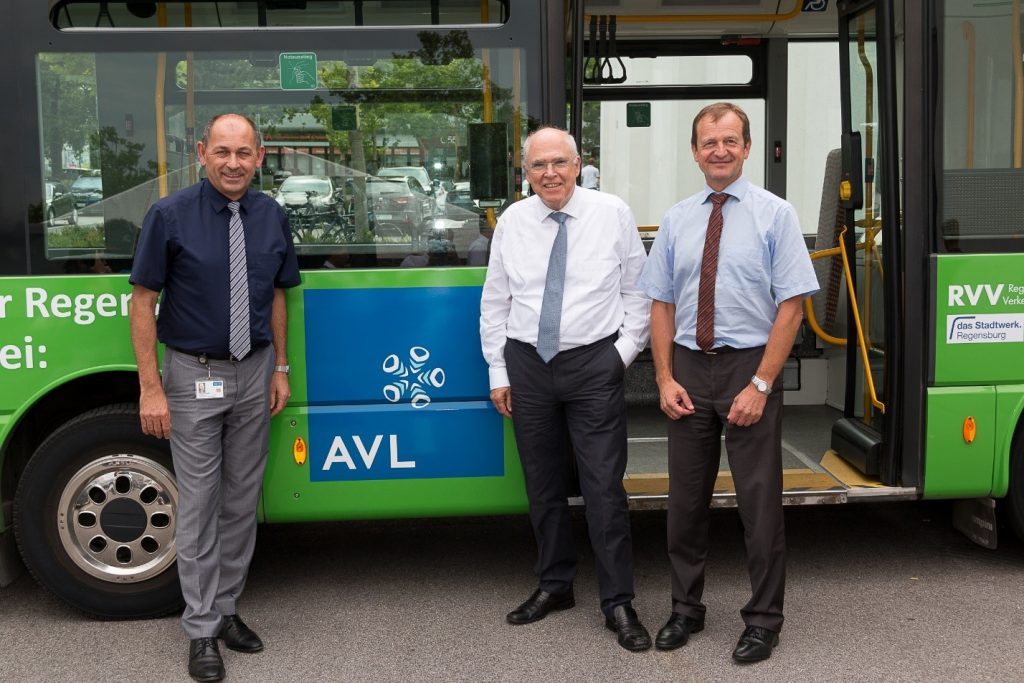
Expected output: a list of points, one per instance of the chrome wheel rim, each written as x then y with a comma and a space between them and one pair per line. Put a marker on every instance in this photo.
117, 516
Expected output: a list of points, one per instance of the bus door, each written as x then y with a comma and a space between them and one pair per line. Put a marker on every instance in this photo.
866, 235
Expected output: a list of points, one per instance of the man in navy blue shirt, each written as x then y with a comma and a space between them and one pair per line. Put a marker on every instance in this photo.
222, 255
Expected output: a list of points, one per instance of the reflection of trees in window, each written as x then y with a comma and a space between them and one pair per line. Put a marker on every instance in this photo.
119, 161
67, 84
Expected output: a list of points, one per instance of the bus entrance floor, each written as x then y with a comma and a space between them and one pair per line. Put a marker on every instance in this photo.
812, 472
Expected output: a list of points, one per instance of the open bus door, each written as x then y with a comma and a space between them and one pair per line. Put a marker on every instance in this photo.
867, 236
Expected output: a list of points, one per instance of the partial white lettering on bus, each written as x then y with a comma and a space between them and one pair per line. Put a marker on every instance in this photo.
83, 309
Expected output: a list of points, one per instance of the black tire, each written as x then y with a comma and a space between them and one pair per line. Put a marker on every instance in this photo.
51, 216
94, 516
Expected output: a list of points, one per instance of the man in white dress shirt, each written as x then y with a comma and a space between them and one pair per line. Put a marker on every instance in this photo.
561, 317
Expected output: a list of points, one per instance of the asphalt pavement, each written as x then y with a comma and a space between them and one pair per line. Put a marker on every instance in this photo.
875, 592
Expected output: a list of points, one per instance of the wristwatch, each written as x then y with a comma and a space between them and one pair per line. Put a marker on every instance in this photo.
286, 369
761, 386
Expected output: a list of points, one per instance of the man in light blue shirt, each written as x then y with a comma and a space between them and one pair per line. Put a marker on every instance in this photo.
728, 273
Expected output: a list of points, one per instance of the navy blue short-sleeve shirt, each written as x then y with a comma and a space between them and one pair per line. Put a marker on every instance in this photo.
183, 252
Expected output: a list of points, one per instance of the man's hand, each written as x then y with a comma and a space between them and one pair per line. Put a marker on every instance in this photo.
502, 400
747, 407
280, 392
154, 413
675, 402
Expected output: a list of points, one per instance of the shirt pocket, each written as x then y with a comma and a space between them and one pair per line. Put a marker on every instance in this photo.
743, 268
593, 274
263, 270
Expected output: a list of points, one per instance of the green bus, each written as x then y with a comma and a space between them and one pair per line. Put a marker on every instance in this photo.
393, 132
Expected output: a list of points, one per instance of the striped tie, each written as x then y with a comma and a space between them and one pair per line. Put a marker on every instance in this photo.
550, 326
708, 273
238, 329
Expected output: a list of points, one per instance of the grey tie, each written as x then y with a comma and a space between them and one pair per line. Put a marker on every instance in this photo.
551, 308
239, 342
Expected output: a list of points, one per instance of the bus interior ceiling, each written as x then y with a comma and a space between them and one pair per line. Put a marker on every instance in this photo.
815, 376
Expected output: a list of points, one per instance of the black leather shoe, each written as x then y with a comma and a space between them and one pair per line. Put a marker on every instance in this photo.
676, 632
755, 645
237, 636
204, 662
632, 634
539, 604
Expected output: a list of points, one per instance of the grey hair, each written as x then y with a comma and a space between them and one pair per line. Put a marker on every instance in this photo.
209, 127
568, 138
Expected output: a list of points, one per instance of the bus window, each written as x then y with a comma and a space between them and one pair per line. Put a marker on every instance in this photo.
651, 167
982, 133
361, 156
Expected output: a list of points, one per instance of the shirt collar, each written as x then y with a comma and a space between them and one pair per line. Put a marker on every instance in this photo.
572, 209
738, 189
218, 201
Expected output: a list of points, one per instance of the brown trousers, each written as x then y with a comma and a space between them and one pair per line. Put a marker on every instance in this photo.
755, 459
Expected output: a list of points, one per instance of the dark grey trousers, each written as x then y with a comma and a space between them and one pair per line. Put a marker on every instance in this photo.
755, 460
579, 393
219, 448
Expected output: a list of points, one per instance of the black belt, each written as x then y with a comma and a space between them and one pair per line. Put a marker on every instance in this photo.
719, 350
202, 356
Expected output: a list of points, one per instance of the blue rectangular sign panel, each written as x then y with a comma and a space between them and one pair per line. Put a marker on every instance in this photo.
400, 389
409, 345
356, 443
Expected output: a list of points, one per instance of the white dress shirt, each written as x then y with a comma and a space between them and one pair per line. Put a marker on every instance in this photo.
604, 260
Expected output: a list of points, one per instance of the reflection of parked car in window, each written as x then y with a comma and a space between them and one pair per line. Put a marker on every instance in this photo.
420, 174
59, 204
460, 205
317, 191
87, 189
400, 200
315, 208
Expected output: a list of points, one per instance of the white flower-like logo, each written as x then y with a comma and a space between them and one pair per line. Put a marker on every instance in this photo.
411, 379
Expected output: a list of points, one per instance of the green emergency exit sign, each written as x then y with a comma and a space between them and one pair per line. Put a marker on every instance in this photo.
298, 70
638, 114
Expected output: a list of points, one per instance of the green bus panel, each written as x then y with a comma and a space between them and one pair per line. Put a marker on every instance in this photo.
53, 329
979, 328
1009, 406
955, 468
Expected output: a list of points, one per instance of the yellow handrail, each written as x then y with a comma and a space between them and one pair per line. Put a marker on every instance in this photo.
852, 297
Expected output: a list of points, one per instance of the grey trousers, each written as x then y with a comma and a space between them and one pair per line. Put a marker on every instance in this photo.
219, 448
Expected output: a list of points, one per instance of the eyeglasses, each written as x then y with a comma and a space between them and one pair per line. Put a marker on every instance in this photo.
541, 166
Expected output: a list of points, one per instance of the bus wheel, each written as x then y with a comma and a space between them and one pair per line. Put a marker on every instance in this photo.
95, 514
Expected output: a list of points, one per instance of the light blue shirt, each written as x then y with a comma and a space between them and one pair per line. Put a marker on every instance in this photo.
762, 261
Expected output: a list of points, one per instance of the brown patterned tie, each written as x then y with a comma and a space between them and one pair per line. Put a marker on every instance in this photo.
708, 273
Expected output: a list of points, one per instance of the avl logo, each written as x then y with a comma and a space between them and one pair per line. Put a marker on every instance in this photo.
339, 453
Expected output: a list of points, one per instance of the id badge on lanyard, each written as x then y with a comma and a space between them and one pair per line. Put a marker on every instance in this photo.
209, 386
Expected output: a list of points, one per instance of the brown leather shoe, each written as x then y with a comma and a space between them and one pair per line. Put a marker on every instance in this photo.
538, 605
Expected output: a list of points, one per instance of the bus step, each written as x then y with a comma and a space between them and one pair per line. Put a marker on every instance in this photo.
799, 487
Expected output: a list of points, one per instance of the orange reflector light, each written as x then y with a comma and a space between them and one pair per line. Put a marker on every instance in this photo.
845, 190
299, 451
970, 429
